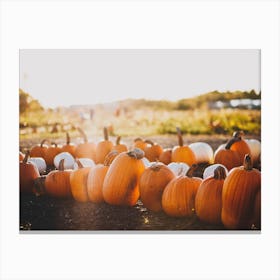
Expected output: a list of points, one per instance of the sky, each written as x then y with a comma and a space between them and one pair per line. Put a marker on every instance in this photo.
75, 77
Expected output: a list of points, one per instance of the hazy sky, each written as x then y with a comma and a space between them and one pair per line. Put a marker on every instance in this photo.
67, 77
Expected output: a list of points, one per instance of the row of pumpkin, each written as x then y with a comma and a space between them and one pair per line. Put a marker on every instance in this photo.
231, 198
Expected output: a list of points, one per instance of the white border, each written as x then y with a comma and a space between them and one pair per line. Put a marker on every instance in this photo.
142, 24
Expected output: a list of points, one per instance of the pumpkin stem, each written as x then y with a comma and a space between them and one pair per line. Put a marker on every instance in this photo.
248, 165
61, 165
150, 142
220, 173
26, 156
138, 139
105, 132
53, 143
136, 153
118, 140
67, 138
43, 142
231, 141
79, 163
191, 170
156, 166
180, 137
83, 134
110, 157
238, 134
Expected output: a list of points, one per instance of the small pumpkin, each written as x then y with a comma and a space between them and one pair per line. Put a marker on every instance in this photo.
240, 191
152, 183
51, 152
153, 151
40, 163
85, 149
178, 168
182, 153
210, 170
203, 152
57, 182
139, 143
69, 147
28, 172
255, 148
103, 147
39, 150
118, 146
68, 160
178, 199
96, 178
78, 183
208, 199
121, 183
165, 156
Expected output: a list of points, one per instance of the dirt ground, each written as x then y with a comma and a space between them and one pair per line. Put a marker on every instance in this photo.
48, 213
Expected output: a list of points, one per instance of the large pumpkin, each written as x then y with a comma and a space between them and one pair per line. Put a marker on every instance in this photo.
178, 199
28, 172
39, 150
121, 183
69, 147
208, 200
57, 183
96, 178
182, 153
78, 182
240, 191
85, 149
103, 147
152, 183
153, 151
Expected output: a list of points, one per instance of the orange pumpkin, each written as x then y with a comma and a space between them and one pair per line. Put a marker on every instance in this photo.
239, 195
178, 199
152, 183
69, 147
85, 149
57, 183
78, 183
208, 200
96, 178
28, 172
153, 151
51, 152
139, 143
121, 183
39, 150
118, 146
103, 147
182, 153
165, 156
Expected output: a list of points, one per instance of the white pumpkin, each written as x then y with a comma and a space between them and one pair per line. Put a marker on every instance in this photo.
68, 160
40, 163
86, 162
255, 147
178, 168
146, 162
209, 171
203, 152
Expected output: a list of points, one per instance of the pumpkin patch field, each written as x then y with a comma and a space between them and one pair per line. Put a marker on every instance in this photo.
151, 183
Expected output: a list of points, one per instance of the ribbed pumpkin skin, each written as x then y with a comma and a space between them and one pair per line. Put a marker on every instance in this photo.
86, 150
208, 200
178, 199
78, 182
152, 183
57, 183
39, 150
240, 189
183, 154
121, 183
228, 158
28, 172
103, 148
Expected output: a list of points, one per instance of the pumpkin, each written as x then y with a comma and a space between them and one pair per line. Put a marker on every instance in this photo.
152, 183
209, 170
57, 182
256, 221
69, 147
121, 183
146, 162
255, 148
21, 156
86, 162
239, 194
139, 143
103, 147
182, 153
203, 152
165, 156
178, 199
240, 146
78, 183
226, 156
40, 163
39, 150
68, 160
118, 146
152, 151
28, 172
208, 199
85, 149
51, 152
96, 178
178, 168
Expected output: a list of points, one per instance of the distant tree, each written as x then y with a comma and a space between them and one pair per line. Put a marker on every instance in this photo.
27, 103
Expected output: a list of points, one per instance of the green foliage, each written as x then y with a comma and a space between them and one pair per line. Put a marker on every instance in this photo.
27, 103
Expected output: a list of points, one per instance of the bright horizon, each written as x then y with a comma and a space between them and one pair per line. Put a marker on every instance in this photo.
79, 77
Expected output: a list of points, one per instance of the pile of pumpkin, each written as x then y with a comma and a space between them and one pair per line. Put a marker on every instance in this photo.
229, 192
